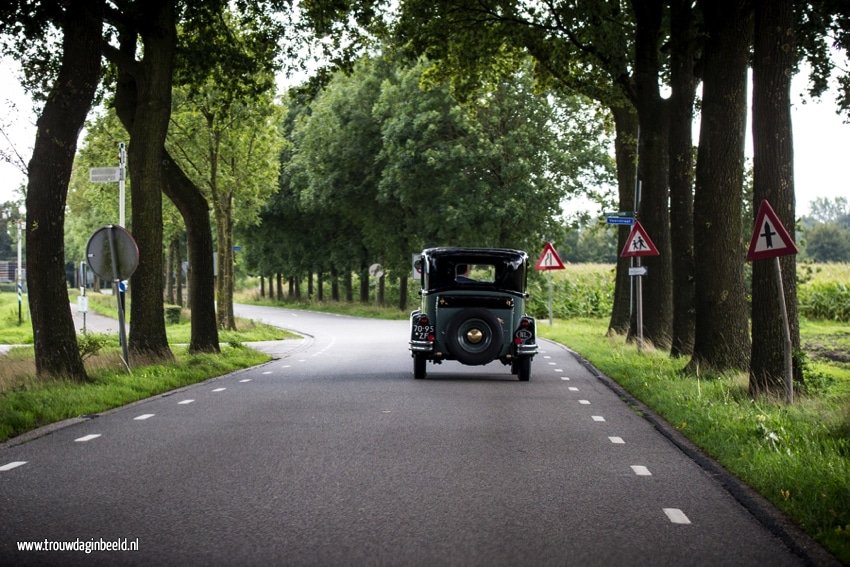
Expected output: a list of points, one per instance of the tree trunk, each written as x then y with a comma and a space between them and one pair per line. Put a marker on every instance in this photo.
773, 180
179, 273
348, 285
402, 292
200, 279
320, 285
63, 116
334, 284
152, 77
309, 284
279, 278
721, 338
381, 291
681, 176
263, 287
169, 273
625, 124
364, 283
654, 202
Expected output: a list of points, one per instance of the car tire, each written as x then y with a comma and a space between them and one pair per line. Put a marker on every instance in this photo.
475, 353
419, 370
523, 368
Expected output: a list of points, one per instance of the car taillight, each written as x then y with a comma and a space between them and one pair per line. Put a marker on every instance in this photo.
431, 338
524, 323
517, 341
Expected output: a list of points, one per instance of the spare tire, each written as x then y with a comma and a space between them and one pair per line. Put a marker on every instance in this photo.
475, 337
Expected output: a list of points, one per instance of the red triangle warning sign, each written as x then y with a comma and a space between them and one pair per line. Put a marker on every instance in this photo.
770, 239
639, 243
549, 259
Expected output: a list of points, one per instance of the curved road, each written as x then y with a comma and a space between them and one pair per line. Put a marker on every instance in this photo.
333, 454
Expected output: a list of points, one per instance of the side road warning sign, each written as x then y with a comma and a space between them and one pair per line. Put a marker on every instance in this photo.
549, 259
770, 239
639, 243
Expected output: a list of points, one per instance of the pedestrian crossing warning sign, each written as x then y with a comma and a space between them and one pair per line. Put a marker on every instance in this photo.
549, 259
639, 243
770, 239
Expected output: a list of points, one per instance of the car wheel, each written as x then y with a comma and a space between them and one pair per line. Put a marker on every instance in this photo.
419, 366
523, 369
475, 336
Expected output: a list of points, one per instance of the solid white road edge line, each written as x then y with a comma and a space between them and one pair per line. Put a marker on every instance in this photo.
12, 465
87, 438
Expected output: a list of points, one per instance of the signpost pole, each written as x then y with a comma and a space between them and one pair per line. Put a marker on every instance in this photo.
122, 162
19, 277
116, 279
789, 367
639, 305
551, 293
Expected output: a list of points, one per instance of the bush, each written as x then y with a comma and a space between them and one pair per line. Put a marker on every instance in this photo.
824, 300
172, 314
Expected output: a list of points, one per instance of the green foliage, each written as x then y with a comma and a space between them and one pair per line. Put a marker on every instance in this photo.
828, 300
92, 343
828, 243
578, 291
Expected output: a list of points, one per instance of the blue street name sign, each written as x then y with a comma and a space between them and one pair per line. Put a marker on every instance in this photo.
619, 220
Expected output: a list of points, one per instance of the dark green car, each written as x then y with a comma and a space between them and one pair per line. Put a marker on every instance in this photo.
473, 310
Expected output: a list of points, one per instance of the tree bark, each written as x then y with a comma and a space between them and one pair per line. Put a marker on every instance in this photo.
70, 99
721, 338
773, 180
402, 292
147, 83
195, 212
680, 173
625, 151
654, 202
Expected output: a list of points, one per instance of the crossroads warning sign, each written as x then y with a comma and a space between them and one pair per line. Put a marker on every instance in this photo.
639, 243
549, 259
770, 239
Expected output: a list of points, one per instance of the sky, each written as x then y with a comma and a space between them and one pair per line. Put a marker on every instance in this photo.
821, 141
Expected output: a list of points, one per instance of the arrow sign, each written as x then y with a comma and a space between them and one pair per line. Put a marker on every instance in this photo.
639, 243
549, 259
770, 239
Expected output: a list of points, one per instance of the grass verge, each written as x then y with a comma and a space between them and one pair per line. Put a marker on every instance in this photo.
798, 457
35, 403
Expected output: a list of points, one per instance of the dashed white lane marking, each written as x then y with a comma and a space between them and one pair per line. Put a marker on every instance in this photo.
87, 438
559, 370
326, 347
597, 418
286, 366
676, 516
565, 378
302, 360
641, 470
552, 363
573, 389
184, 402
584, 402
267, 372
12, 465
143, 417
247, 379
219, 389
616, 440
547, 357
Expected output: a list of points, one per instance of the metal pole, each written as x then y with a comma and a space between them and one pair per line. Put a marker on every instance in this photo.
789, 367
639, 289
551, 293
19, 278
122, 162
122, 332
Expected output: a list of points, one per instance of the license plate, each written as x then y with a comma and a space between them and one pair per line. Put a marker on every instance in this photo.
422, 332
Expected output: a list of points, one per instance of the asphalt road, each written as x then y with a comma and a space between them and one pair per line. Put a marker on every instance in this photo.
334, 455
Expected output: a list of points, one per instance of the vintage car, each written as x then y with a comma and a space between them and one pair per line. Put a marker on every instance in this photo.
473, 310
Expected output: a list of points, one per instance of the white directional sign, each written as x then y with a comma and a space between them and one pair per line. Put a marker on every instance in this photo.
104, 174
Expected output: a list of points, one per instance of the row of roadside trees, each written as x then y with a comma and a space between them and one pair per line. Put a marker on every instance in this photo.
338, 183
